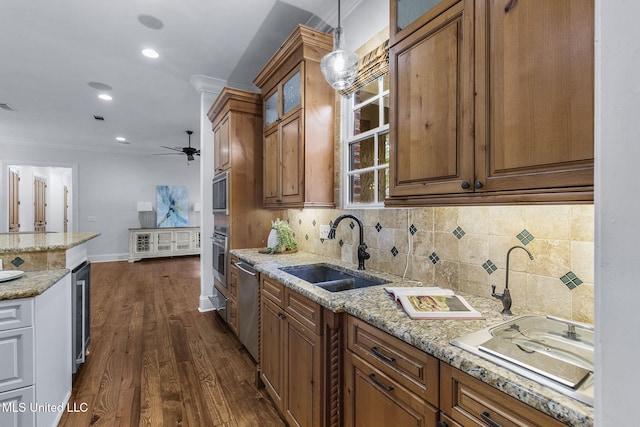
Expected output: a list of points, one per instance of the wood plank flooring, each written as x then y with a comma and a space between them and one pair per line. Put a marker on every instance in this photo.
155, 360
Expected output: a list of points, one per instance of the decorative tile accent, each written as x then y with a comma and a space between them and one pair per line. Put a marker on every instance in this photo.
378, 227
489, 267
434, 258
525, 237
413, 230
394, 251
352, 225
299, 221
459, 232
571, 280
314, 222
331, 223
17, 261
306, 237
341, 242
321, 240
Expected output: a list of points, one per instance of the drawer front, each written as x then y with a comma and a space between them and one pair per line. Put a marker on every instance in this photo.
16, 354
272, 290
473, 403
374, 399
304, 310
17, 408
16, 313
414, 369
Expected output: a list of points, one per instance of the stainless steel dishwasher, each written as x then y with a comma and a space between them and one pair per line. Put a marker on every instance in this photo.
248, 307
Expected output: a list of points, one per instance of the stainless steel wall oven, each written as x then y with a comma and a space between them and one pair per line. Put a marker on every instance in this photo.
81, 314
220, 240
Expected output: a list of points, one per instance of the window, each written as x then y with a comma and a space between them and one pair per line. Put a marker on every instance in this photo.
366, 145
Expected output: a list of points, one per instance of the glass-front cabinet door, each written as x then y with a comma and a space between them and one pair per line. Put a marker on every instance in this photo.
271, 109
409, 15
292, 93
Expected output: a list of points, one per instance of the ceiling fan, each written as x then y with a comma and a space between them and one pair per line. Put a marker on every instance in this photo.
188, 151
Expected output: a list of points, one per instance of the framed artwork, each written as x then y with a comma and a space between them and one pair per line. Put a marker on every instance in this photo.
173, 206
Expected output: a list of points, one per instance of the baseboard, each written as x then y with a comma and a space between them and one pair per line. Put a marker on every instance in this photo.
205, 304
109, 257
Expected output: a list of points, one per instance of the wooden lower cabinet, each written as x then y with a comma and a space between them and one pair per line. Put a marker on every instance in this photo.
387, 381
375, 399
299, 356
470, 403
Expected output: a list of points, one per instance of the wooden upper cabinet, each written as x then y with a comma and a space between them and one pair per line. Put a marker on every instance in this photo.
221, 145
491, 102
431, 127
534, 110
298, 109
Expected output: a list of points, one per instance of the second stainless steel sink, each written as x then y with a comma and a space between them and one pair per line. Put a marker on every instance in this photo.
333, 278
555, 352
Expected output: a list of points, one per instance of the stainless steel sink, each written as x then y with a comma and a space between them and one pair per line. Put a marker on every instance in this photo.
555, 352
333, 278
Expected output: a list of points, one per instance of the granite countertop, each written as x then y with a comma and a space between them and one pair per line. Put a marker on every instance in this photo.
35, 242
31, 284
374, 306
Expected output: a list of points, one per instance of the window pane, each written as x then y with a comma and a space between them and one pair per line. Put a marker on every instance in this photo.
383, 148
367, 92
362, 188
361, 154
366, 118
385, 82
383, 184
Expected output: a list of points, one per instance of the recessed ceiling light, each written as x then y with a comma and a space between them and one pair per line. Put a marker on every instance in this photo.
150, 22
100, 86
120, 138
105, 97
150, 53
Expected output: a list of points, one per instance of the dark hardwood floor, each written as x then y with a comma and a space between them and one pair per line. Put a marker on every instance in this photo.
155, 360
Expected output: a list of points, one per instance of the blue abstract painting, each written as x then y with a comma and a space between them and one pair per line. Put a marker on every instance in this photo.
173, 206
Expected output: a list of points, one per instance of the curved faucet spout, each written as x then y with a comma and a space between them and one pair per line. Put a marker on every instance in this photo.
362, 247
505, 296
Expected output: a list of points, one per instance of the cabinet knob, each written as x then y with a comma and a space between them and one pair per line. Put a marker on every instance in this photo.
465, 185
478, 185
442, 424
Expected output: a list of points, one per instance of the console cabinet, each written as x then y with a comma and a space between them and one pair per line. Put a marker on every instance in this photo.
298, 106
491, 102
161, 242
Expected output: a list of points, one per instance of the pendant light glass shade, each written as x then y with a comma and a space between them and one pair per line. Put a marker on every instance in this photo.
339, 67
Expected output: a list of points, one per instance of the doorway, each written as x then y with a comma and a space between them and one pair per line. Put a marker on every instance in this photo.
14, 200
39, 204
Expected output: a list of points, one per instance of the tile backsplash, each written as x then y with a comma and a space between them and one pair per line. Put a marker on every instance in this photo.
465, 248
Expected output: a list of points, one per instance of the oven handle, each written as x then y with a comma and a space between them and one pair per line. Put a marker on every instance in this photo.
237, 264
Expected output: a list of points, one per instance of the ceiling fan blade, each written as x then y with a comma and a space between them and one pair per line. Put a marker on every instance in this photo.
166, 154
171, 148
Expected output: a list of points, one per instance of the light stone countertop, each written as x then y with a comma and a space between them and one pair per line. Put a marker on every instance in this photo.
31, 284
374, 306
36, 242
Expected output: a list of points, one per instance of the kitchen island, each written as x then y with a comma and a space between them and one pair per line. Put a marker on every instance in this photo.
36, 325
374, 306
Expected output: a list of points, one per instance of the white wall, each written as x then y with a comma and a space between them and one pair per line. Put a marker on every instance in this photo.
107, 187
367, 19
617, 212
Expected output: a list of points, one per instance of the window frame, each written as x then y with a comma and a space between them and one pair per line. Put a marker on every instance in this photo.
347, 138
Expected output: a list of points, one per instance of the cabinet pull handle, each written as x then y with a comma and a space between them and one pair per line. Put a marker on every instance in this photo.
486, 418
282, 316
478, 185
442, 424
384, 357
465, 185
373, 378
509, 5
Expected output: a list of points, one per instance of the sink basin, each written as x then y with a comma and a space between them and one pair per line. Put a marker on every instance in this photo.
549, 350
333, 278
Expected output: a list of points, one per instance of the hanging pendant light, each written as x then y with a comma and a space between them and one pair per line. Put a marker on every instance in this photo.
340, 66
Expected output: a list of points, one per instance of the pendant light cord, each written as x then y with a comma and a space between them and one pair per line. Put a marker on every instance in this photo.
338, 13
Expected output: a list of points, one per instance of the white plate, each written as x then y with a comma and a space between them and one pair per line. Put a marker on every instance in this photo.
10, 275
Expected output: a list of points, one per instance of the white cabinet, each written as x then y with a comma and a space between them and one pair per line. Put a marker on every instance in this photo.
159, 242
35, 355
